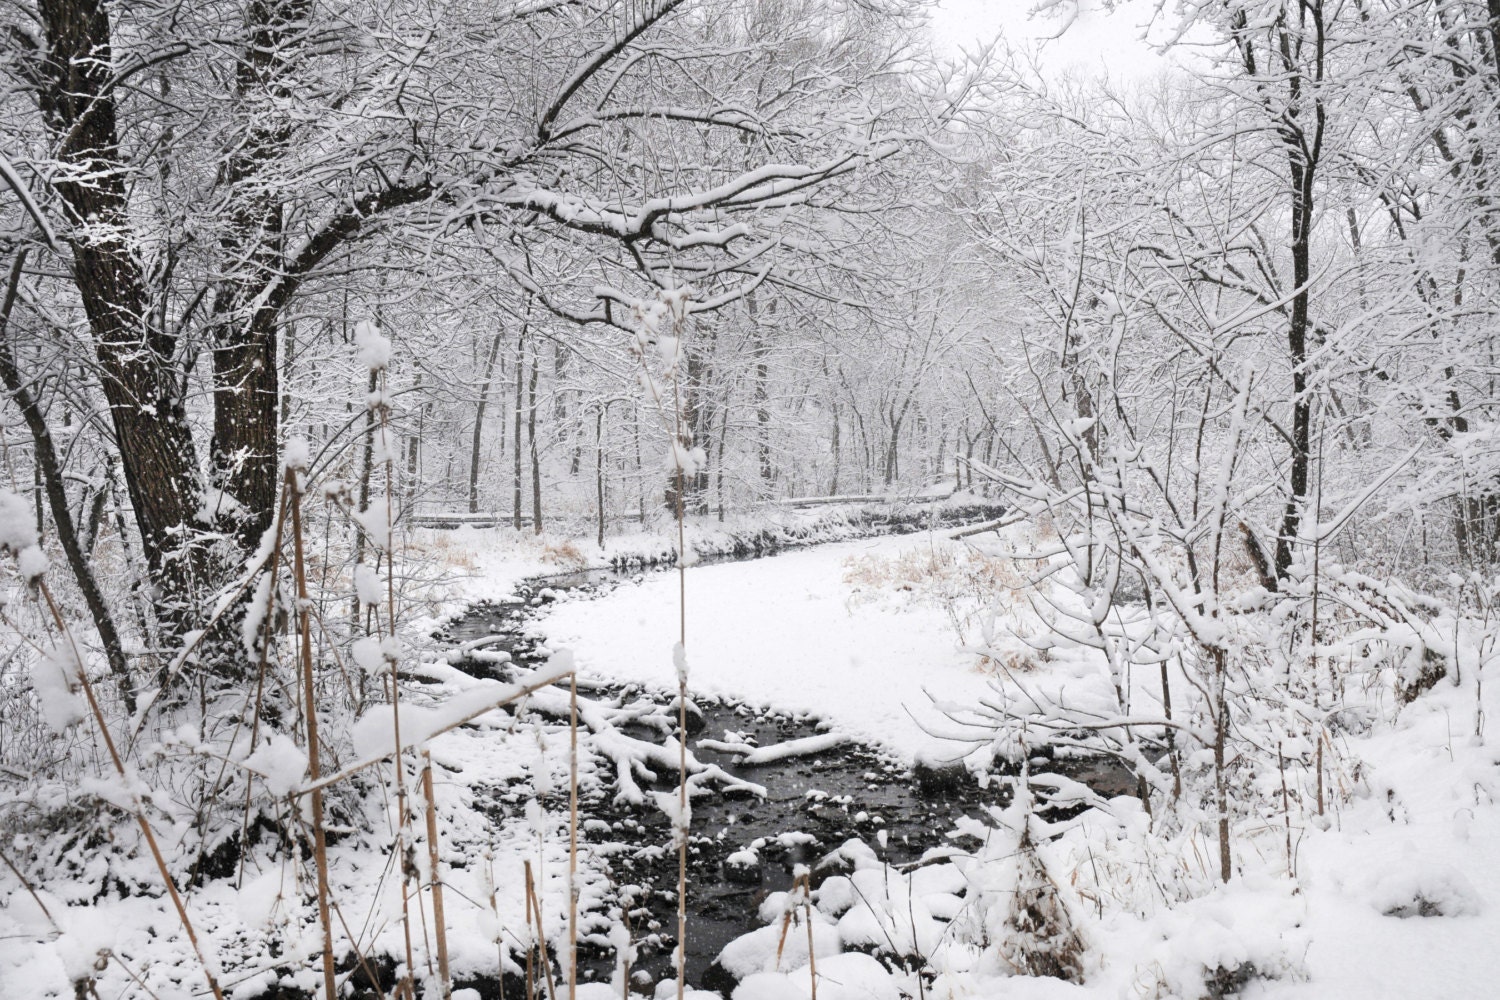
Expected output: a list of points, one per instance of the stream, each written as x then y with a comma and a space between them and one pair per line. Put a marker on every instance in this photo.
813, 803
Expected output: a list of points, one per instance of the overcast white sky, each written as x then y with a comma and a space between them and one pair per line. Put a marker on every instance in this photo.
1096, 40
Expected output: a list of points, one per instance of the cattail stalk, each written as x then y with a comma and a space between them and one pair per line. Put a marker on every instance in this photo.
304, 632
440, 927
681, 824
573, 836
530, 941
489, 859
403, 816
812, 958
260, 672
534, 899
30, 889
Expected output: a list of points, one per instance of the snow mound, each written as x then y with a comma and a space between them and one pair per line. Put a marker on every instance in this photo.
55, 681
854, 976
756, 951
1249, 929
887, 917
1424, 889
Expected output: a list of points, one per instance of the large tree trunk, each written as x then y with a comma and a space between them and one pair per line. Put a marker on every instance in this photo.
837, 442
1300, 126
760, 396
244, 453
135, 357
891, 462
763, 421
599, 468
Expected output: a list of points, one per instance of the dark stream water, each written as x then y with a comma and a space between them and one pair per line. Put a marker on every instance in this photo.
813, 804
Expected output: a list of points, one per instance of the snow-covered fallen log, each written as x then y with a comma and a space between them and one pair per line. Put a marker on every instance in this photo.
752, 756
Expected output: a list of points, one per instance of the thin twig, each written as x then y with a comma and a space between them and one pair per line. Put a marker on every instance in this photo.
26, 884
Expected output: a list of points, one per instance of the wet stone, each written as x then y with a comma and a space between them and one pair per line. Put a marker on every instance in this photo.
744, 867
939, 776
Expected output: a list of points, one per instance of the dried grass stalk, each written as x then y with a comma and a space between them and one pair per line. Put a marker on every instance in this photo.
440, 926
310, 714
137, 809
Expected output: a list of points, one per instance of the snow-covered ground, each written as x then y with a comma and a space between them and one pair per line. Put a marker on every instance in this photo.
790, 633
800, 632
1424, 827
1396, 894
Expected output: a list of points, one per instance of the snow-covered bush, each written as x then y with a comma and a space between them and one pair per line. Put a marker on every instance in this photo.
1015, 907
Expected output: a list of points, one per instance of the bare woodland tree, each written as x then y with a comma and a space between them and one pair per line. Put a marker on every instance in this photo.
203, 169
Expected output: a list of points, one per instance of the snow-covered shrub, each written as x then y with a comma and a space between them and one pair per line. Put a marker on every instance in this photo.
1041, 939
1214, 945
1015, 907
1419, 887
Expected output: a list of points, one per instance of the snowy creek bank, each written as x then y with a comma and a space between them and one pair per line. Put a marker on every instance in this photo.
783, 791
709, 545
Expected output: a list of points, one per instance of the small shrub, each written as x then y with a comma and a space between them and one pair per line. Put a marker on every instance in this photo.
1041, 939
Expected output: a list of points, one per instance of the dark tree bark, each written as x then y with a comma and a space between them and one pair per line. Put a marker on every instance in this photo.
72, 74
536, 465
891, 462
696, 420
93, 517
139, 381
640, 479
479, 408
366, 470
1299, 53
719, 442
1494, 11
1303, 162
599, 468
243, 453
515, 497
763, 420
837, 443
